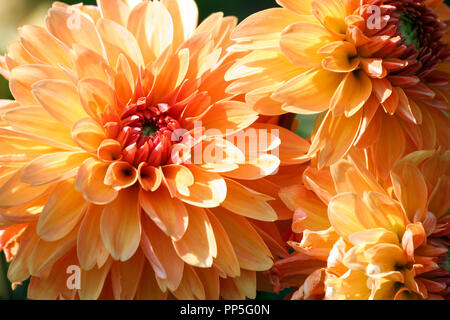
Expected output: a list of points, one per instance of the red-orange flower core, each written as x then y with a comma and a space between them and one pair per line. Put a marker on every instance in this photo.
420, 32
147, 132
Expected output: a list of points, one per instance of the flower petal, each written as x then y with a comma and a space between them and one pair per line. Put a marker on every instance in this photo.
120, 225
167, 213
309, 92
53, 167
60, 99
301, 41
90, 249
251, 251
248, 203
62, 212
198, 246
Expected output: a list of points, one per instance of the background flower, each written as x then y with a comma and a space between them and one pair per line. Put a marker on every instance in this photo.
377, 80
357, 238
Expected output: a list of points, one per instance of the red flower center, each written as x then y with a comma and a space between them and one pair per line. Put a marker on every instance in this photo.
147, 133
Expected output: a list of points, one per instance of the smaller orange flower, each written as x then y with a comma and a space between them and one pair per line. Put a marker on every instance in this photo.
369, 240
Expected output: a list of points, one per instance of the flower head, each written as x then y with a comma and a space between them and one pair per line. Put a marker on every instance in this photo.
110, 157
357, 238
376, 71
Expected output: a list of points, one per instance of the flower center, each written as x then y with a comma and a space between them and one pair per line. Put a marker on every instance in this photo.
149, 129
409, 31
147, 133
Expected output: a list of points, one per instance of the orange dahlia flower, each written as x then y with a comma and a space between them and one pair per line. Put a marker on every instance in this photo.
356, 238
99, 168
375, 70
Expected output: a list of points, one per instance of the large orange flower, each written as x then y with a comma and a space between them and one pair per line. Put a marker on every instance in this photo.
376, 71
356, 238
100, 169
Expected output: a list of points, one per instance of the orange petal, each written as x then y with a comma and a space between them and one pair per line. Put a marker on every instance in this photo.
352, 94
165, 254
43, 46
90, 181
247, 202
229, 117
226, 260
178, 178
184, 18
60, 99
53, 167
95, 96
116, 10
90, 249
23, 77
167, 213
410, 188
208, 191
88, 134
14, 192
309, 92
310, 212
198, 246
120, 225
343, 212
151, 24
126, 275
79, 30
301, 41
332, 13
92, 281
62, 212
46, 253
339, 57
250, 249
89, 64
120, 175
149, 177
36, 121
299, 7
191, 287
148, 287
118, 40
210, 281
266, 24
390, 147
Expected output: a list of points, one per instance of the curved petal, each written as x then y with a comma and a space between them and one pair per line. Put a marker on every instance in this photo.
209, 189
71, 26
184, 15
53, 167
249, 203
310, 92
90, 181
90, 249
251, 251
41, 45
62, 212
36, 121
167, 213
60, 99
301, 41
120, 225
198, 246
